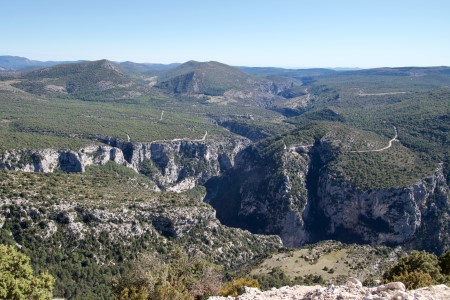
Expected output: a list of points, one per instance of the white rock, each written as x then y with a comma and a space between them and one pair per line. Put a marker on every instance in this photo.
395, 286
391, 292
354, 282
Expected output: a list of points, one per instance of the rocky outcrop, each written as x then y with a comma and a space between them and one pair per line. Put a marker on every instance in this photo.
181, 164
384, 216
50, 160
264, 193
352, 290
292, 191
177, 221
176, 165
186, 83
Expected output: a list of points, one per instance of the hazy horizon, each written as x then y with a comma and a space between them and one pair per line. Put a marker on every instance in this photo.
243, 66
285, 33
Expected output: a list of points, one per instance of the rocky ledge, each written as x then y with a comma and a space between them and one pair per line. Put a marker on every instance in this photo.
176, 165
352, 290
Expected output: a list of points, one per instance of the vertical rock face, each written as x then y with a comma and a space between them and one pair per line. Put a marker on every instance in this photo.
50, 160
264, 194
45, 161
180, 164
70, 162
387, 216
174, 165
293, 193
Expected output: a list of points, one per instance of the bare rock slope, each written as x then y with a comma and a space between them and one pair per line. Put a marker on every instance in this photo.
352, 290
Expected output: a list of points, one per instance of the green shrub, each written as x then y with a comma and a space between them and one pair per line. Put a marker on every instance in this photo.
444, 263
17, 280
175, 276
148, 168
370, 281
133, 293
234, 287
275, 278
416, 270
414, 280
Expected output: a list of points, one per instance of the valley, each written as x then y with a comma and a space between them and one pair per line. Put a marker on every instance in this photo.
252, 169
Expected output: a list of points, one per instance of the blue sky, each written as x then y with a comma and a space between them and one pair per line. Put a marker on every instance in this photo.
284, 33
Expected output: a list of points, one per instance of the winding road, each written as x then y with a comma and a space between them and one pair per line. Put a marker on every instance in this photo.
381, 149
183, 139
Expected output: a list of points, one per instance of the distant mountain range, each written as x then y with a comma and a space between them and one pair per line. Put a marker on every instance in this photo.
10, 63
17, 63
147, 68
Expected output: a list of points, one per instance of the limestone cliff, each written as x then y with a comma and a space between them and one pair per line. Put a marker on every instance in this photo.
265, 193
50, 160
176, 165
180, 164
387, 216
292, 191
